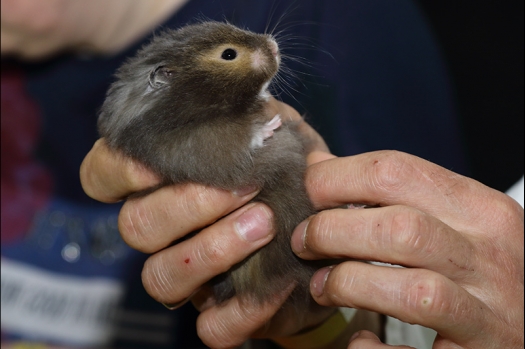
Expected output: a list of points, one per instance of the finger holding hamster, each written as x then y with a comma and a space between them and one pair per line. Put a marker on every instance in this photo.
175, 273
153, 222
109, 176
234, 322
415, 296
395, 234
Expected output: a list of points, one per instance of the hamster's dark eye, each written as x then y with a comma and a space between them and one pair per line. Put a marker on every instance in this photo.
160, 77
229, 54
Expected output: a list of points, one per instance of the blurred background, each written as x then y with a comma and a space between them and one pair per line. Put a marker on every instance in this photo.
482, 43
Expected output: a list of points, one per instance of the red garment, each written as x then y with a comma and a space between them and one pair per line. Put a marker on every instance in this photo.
25, 184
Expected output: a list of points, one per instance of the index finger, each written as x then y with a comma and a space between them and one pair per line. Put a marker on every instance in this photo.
388, 178
107, 175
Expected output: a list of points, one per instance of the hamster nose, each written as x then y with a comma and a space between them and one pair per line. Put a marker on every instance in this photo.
274, 48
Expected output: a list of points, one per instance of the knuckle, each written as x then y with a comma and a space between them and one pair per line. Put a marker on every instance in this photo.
129, 175
232, 325
410, 231
250, 317
133, 176
213, 255
216, 334
507, 213
430, 295
135, 226
157, 280
390, 170
341, 282
206, 330
202, 202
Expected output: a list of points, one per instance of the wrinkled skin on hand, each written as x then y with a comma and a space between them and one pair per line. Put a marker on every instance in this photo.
462, 244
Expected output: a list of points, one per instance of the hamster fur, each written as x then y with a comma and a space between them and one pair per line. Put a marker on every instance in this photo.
189, 106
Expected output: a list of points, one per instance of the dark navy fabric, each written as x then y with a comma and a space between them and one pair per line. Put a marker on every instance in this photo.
372, 78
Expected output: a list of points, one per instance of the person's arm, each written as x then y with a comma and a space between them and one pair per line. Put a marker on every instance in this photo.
35, 29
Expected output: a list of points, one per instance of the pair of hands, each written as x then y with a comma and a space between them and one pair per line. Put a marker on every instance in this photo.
461, 241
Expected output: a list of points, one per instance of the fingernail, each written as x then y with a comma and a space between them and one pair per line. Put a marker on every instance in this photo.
245, 191
299, 237
254, 224
319, 280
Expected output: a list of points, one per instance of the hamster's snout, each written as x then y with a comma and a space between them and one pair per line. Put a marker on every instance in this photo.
260, 59
274, 47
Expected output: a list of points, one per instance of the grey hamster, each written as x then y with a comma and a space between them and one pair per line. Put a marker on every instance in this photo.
190, 107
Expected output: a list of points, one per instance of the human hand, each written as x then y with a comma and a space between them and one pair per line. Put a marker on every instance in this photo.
462, 244
33, 29
172, 274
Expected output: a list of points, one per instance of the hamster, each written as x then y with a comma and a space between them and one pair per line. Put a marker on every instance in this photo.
190, 107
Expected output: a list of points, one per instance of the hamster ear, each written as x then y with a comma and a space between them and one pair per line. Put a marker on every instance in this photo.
160, 77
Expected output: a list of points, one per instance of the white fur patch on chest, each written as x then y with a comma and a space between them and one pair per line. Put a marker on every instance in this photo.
261, 133
264, 94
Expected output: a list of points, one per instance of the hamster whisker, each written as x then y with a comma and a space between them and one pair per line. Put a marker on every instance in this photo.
290, 25
296, 74
273, 10
285, 86
285, 13
298, 59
